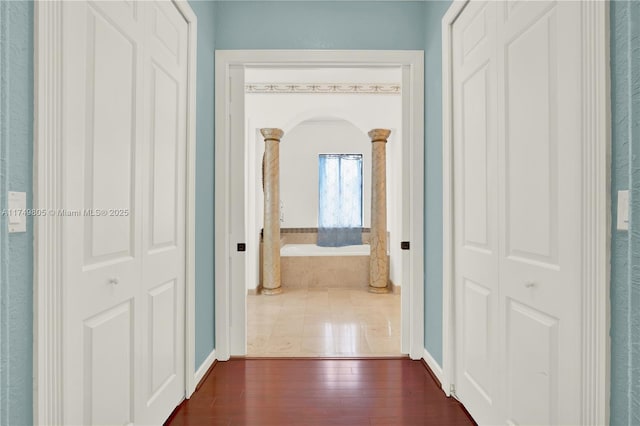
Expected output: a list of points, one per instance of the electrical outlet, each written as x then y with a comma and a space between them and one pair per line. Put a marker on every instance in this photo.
17, 214
623, 210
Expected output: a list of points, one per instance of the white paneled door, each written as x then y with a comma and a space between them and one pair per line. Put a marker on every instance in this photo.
517, 211
476, 210
124, 151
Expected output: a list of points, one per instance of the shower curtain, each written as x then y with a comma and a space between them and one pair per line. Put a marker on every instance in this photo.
340, 200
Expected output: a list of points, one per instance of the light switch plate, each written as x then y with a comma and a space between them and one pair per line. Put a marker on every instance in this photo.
17, 203
623, 210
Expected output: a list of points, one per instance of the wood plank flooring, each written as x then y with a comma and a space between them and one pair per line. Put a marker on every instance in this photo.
318, 392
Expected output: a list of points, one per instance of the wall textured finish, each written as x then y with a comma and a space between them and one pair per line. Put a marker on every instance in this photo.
319, 25
205, 305
16, 250
625, 246
433, 177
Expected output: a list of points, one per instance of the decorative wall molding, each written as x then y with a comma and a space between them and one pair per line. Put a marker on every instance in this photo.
596, 219
47, 323
412, 94
190, 261
448, 290
331, 88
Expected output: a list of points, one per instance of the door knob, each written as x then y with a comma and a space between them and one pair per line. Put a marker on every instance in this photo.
114, 281
529, 284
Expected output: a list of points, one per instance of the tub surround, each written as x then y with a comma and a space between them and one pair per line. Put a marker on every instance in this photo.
310, 266
333, 271
310, 235
305, 265
302, 265
271, 282
378, 259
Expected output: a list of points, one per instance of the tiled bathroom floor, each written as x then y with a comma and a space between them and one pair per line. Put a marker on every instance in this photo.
324, 322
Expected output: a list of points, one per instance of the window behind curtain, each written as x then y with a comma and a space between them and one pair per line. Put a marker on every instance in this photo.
340, 202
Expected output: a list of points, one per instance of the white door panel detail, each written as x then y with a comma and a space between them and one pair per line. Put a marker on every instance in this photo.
517, 211
124, 155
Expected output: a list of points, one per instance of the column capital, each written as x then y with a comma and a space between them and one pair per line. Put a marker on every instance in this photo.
272, 134
379, 135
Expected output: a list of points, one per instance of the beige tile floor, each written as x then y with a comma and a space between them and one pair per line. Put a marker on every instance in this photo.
325, 322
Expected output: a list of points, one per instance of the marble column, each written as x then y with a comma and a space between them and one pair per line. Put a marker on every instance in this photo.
271, 233
378, 260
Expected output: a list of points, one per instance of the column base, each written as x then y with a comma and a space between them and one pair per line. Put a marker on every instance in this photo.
379, 290
271, 291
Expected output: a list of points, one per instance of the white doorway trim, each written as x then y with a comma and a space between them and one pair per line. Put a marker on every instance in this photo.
47, 195
412, 63
595, 190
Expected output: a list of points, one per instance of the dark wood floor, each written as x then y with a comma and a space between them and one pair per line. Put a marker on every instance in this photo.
319, 392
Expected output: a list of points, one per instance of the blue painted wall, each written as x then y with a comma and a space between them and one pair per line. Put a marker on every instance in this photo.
16, 250
319, 25
625, 246
433, 177
205, 306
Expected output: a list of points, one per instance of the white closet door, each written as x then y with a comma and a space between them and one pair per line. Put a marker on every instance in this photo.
124, 140
162, 297
517, 180
540, 209
476, 211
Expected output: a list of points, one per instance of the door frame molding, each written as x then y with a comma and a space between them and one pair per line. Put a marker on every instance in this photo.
48, 306
412, 62
596, 203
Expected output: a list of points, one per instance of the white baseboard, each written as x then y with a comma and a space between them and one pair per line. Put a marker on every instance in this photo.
202, 370
434, 366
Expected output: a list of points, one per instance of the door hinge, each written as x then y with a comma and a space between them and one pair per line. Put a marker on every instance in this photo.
405, 245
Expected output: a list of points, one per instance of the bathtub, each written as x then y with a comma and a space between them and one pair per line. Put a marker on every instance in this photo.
311, 266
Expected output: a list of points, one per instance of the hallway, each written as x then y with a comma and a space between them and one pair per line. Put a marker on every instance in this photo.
353, 392
125, 233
